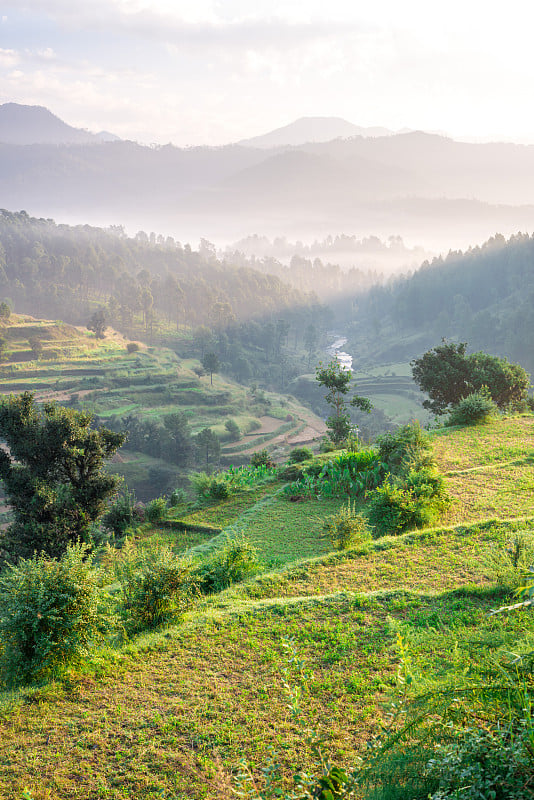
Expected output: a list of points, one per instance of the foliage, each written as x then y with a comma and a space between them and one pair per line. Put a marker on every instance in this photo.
346, 528
36, 346
208, 444
233, 429
48, 614
178, 497
300, 454
155, 585
406, 448
5, 310
156, 510
448, 375
211, 364
484, 765
54, 474
249, 476
337, 380
98, 323
235, 561
121, 514
132, 347
347, 474
414, 502
474, 409
262, 458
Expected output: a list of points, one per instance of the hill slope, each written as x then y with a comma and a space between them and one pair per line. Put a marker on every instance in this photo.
174, 712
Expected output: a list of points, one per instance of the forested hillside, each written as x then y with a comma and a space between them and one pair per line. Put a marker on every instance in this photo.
484, 296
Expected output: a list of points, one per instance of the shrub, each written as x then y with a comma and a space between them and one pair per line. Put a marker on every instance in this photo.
262, 458
346, 527
132, 347
233, 429
475, 409
406, 449
234, 562
300, 454
156, 510
121, 515
483, 765
178, 497
219, 489
48, 614
155, 585
416, 502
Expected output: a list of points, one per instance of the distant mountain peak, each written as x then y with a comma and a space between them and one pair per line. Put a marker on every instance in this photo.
312, 129
26, 125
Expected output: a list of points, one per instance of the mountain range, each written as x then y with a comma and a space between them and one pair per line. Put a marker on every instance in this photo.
425, 187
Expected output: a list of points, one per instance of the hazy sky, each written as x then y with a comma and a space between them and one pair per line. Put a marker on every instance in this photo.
208, 72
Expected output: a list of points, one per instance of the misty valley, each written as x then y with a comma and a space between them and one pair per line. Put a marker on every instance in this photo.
266, 501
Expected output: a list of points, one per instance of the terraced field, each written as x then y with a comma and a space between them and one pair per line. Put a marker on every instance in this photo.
101, 376
172, 713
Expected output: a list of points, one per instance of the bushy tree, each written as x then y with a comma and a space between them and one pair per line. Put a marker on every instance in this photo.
98, 323
448, 375
53, 474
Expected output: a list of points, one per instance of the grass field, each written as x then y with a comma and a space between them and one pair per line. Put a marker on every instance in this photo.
171, 714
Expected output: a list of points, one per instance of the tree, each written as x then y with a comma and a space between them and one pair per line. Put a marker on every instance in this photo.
448, 375
208, 443
97, 323
337, 381
36, 346
53, 474
211, 364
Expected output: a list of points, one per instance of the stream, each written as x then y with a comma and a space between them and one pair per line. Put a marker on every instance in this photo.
335, 350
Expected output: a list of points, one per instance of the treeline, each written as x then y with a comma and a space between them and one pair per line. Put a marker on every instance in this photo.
63, 271
484, 296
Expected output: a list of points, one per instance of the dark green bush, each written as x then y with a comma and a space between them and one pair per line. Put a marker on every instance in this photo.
155, 585
262, 458
48, 615
475, 409
121, 515
230, 564
219, 489
300, 454
132, 347
417, 501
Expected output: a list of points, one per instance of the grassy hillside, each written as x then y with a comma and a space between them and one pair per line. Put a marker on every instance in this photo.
172, 713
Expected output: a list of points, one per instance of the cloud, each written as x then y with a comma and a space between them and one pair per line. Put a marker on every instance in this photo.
127, 19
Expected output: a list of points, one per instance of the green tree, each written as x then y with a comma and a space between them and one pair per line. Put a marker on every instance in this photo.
211, 364
208, 444
97, 323
448, 375
337, 380
5, 310
53, 474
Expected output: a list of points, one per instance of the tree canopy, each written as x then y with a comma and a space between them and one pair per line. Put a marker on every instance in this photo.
53, 472
448, 375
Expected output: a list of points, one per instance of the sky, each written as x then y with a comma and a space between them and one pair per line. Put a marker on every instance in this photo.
212, 72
